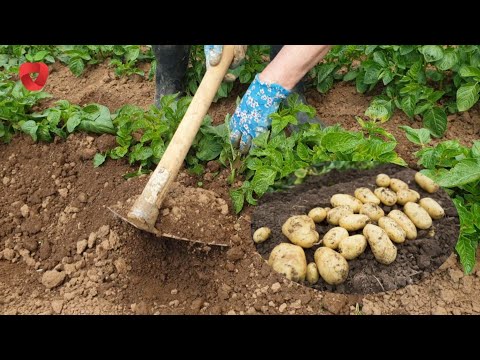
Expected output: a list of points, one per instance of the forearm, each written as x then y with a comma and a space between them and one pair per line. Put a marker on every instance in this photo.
292, 63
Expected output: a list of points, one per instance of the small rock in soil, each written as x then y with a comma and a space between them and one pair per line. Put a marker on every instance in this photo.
81, 246
53, 278
8, 254
103, 231
87, 154
276, 287
120, 265
91, 240
25, 210
63, 192
282, 307
235, 254
439, 310
57, 306
82, 197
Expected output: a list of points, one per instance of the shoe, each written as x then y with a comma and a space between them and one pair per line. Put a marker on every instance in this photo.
172, 63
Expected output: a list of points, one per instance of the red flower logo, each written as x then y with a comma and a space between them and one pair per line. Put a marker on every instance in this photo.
26, 69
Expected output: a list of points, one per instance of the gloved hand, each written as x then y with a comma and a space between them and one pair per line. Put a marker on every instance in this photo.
252, 116
213, 55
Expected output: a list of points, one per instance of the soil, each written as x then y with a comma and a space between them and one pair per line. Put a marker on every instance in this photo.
52, 200
416, 258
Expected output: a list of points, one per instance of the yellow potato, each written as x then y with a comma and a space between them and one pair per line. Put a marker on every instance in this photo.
373, 211
397, 185
335, 214
365, 195
333, 237
289, 260
426, 183
433, 208
312, 273
405, 223
383, 249
386, 196
383, 180
300, 230
409, 195
418, 215
352, 246
332, 267
393, 230
317, 214
346, 200
354, 222
262, 234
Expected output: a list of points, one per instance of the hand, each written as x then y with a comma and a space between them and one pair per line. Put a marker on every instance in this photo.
252, 116
213, 55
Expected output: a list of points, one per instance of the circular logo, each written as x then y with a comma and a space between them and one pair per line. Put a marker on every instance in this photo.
25, 71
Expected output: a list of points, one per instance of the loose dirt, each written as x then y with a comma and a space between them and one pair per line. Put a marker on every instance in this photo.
52, 200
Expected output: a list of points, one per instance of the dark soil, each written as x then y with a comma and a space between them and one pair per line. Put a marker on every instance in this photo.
416, 258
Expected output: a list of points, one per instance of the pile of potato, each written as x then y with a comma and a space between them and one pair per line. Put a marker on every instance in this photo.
359, 213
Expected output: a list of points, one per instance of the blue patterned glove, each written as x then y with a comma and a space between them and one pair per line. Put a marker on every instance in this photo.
213, 55
252, 116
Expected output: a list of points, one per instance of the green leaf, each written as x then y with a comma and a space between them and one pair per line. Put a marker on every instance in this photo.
408, 105
76, 66
323, 71
467, 96
435, 120
448, 61
469, 71
40, 55
372, 74
73, 122
99, 159
325, 85
345, 142
432, 53
466, 248
380, 59
466, 171
352, 74
30, 127
209, 148
238, 199
476, 149
417, 136
263, 179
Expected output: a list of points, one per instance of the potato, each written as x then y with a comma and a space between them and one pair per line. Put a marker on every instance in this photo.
405, 223
409, 195
418, 215
383, 249
426, 183
334, 236
365, 195
352, 246
332, 267
354, 222
346, 200
262, 234
334, 215
433, 208
386, 196
397, 185
317, 214
383, 180
289, 260
312, 273
300, 230
373, 211
393, 230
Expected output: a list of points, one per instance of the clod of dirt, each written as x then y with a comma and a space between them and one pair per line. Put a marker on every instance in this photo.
235, 254
57, 306
53, 278
81, 246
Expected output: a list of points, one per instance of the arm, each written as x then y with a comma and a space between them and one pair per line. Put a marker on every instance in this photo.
269, 88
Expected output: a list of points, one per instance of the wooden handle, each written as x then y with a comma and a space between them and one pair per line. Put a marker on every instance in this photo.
145, 210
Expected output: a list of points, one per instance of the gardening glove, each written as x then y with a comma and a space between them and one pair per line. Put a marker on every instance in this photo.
213, 55
252, 116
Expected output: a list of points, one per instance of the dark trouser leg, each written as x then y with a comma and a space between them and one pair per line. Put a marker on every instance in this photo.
298, 89
172, 63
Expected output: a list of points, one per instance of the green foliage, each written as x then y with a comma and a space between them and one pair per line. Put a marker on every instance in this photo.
457, 169
428, 81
